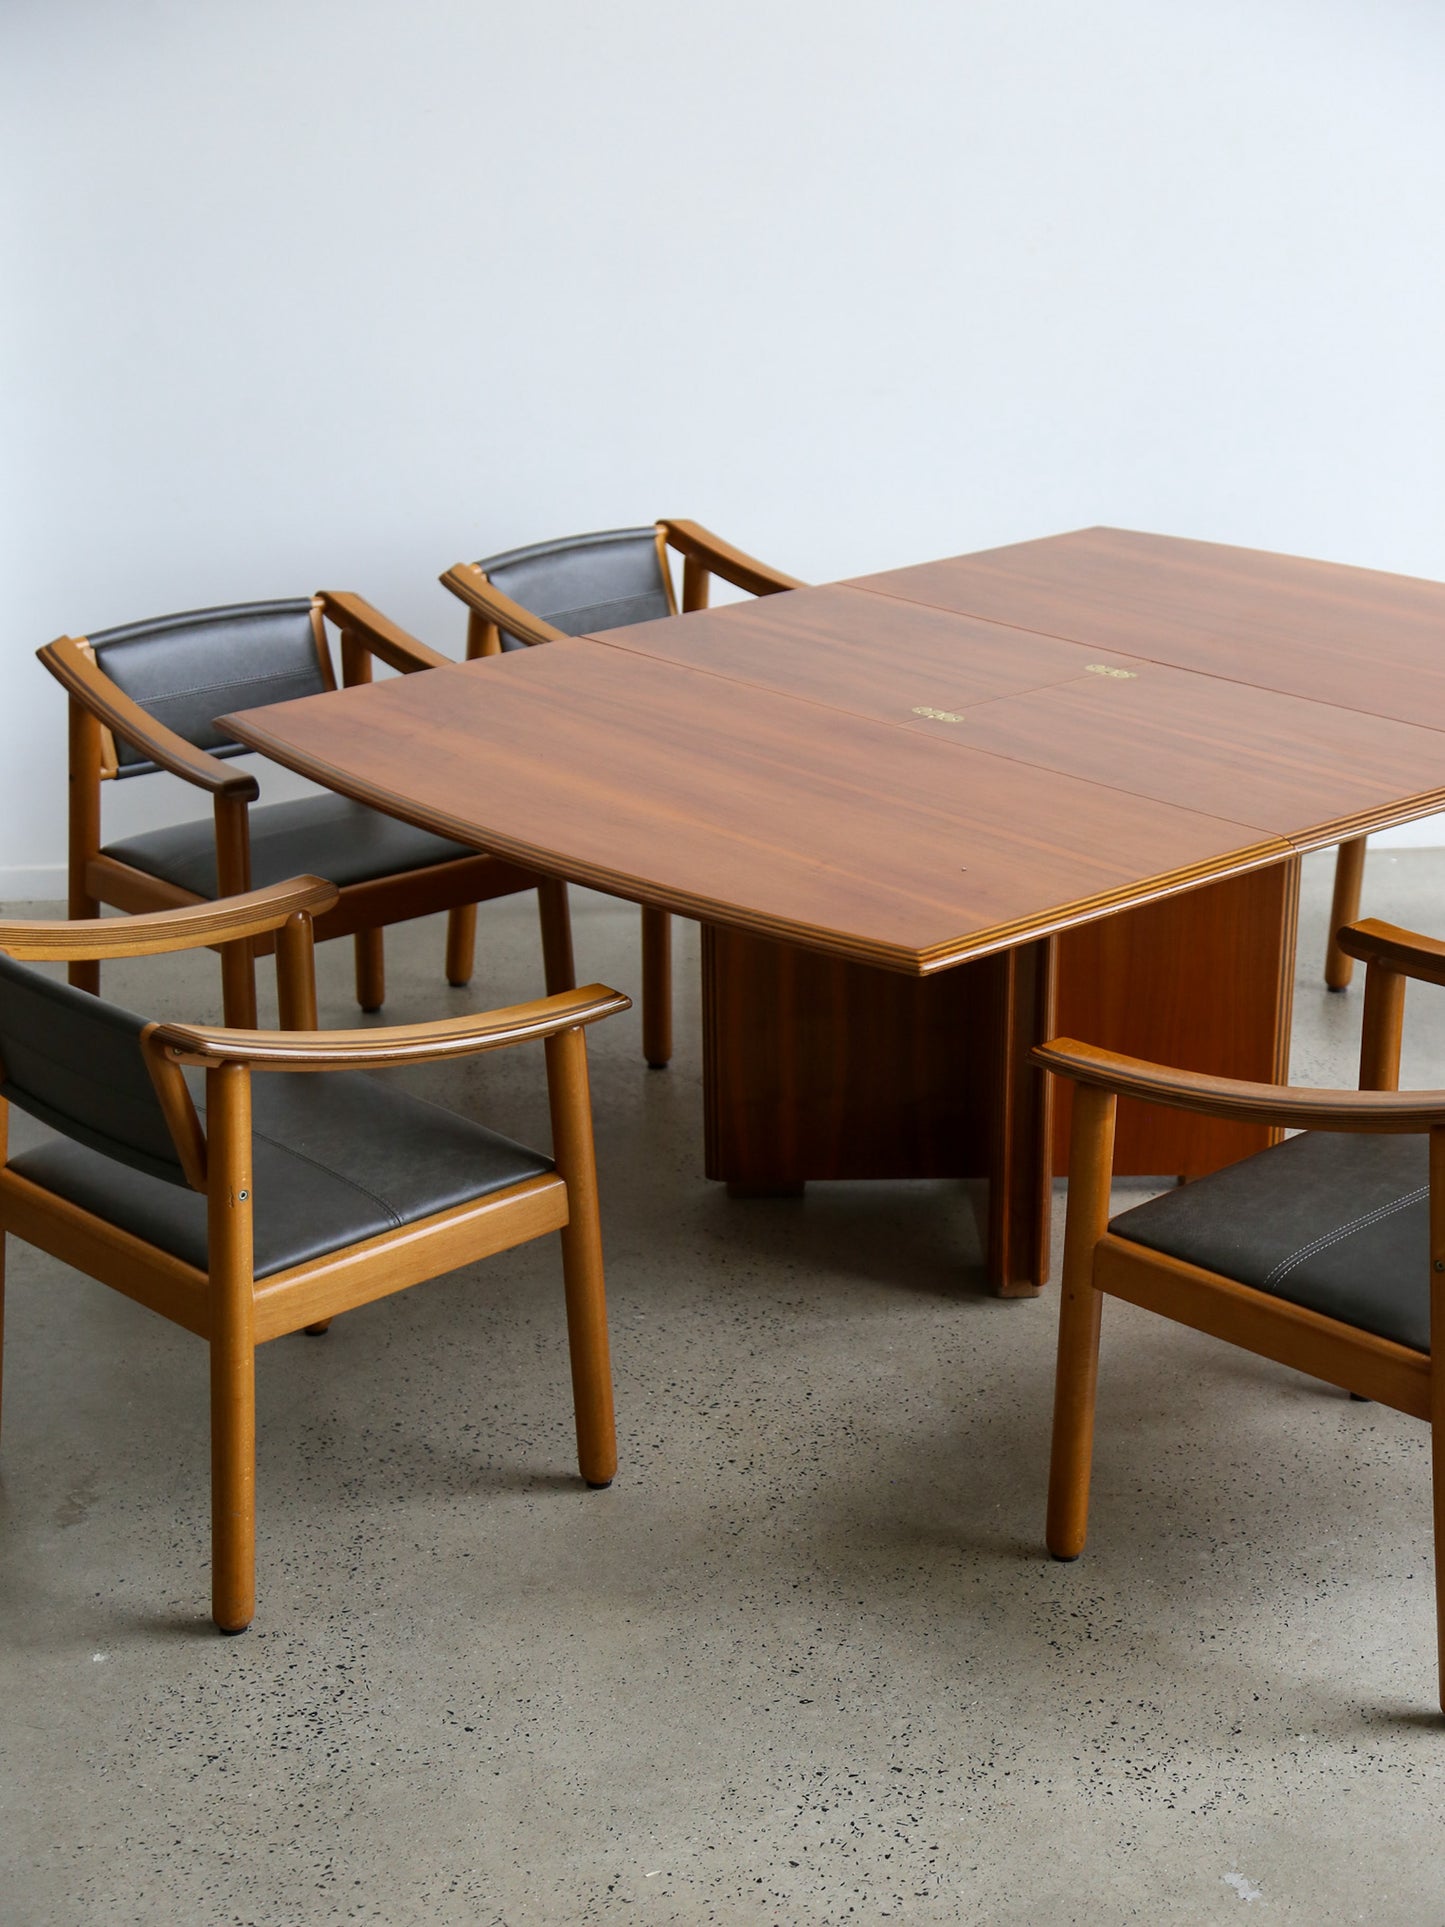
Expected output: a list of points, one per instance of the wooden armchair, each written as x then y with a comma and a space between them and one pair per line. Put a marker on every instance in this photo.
586, 583
282, 1200
144, 697
1325, 1252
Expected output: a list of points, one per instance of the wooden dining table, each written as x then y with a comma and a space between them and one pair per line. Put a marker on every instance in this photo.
927, 818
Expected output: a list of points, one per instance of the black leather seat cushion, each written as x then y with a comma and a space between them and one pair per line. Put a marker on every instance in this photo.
338, 1156
324, 836
1338, 1223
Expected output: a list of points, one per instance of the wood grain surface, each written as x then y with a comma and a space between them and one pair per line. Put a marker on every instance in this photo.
840, 647
741, 806
1365, 640
817, 1068
1309, 771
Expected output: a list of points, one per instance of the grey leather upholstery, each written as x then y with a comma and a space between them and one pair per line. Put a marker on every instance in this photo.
1336, 1222
337, 1157
324, 836
584, 583
75, 1063
188, 669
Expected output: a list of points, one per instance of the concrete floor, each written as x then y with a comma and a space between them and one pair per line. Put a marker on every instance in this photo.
806, 1661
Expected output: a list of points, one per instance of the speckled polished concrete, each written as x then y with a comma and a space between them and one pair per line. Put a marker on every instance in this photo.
806, 1661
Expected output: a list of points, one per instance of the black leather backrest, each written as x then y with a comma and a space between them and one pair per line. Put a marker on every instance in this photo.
75, 1063
585, 582
189, 669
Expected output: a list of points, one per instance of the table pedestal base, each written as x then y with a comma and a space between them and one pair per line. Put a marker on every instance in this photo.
818, 1068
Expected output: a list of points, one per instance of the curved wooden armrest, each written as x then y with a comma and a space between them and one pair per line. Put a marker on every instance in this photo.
1228, 1097
721, 558
1404, 951
89, 685
391, 1044
191, 928
467, 582
378, 634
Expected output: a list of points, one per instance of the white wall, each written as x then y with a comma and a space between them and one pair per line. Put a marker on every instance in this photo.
307, 294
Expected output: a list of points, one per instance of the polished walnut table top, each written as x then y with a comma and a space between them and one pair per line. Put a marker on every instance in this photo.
924, 766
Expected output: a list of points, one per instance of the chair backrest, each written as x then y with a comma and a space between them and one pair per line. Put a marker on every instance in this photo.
586, 582
188, 669
76, 1064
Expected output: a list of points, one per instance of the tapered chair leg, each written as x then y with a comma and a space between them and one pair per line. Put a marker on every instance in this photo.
572, 1148
238, 985
1349, 875
84, 973
370, 968
1091, 1159
559, 971
233, 1349
461, 945
1437, 1387
656, 987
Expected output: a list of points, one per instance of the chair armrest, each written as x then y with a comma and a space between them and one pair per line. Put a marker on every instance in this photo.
390, 1044
1227, 1097
354, 616
89, 685
467, 582
191, 928
1404, 951
721, 558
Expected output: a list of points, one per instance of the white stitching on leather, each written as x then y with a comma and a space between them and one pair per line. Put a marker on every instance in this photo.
1287, 1265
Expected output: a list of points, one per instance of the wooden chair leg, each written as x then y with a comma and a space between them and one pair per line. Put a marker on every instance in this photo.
559, 972
1349, 875
4, 1152
296, 975
233, 1349
238, 985
370, 968
84, 973
656, 987
84, 832
1091, 1159
461, 945
572, 1147
233, 878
